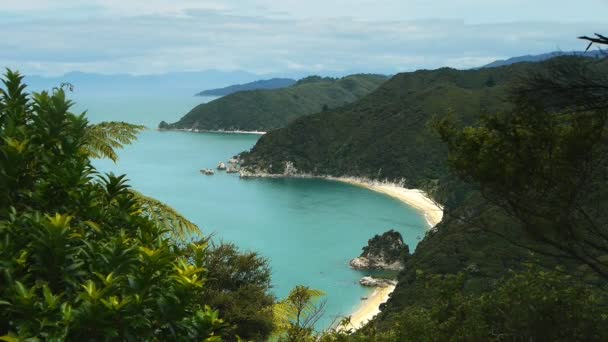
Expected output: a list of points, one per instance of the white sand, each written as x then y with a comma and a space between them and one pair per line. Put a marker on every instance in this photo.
209, 131
433, 212
369, 308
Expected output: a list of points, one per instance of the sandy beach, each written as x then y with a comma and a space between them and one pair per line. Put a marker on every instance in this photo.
369, 308
209, 131
418, 199
432, 211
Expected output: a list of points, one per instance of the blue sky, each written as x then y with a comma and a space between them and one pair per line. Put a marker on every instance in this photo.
285, 36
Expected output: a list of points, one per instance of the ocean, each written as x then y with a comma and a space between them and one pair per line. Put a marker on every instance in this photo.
309, 229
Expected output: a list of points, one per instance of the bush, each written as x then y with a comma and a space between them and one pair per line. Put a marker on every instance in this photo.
80, 256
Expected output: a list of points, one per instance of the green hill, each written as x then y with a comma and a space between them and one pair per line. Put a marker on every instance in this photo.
388, 135
385, 134
273, 83
264, 110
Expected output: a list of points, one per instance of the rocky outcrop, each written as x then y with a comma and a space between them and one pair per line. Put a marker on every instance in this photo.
232, 169
221, 166
384, 252
377, 282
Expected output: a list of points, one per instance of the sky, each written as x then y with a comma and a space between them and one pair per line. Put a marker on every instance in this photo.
53, 37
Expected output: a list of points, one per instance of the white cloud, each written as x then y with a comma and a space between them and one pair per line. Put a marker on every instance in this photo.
112, 36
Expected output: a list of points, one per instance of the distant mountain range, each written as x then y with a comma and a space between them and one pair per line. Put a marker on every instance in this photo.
131, 85
542, 57
266, 109
218, 83
273, 83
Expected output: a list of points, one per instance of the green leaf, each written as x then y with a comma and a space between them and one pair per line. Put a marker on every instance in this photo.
8, 338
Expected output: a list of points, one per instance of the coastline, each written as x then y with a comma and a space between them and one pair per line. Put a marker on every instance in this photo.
432, 211
415, 198
369, 308
418, 199
209, 131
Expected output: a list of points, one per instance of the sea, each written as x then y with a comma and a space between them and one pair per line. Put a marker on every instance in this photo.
308, 229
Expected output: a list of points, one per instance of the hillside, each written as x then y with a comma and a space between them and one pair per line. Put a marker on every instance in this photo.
264, 110
387, 135
273, 83
541, 57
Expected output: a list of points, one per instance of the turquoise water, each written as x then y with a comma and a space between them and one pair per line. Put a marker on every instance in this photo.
308, 228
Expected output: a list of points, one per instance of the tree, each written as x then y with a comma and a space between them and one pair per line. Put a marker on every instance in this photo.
81, 258
544, 163
598, 39
102, 139
532, 305
297, 314
238, 284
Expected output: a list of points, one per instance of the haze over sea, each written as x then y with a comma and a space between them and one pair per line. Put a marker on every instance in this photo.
308, 228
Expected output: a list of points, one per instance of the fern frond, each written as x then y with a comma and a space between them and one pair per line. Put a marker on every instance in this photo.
179, 226
103, 139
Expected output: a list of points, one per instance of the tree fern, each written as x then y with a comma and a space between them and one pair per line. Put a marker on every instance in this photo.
179, 226
300, 311
104, 138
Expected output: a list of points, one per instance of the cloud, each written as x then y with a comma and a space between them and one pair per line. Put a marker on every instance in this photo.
112, 36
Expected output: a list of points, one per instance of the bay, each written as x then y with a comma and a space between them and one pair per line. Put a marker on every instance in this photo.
308, 228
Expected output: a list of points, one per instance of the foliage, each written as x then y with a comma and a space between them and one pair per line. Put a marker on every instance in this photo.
385, 135
389, 246
533, 305
238, 284
79, 257
545, 168
264, 110
180, 228
391, 134
296, 315
103, 139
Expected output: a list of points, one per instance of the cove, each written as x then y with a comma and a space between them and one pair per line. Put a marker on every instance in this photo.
308, 228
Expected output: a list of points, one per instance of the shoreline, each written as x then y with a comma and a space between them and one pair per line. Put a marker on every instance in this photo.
369, 308
415, 198
209, 131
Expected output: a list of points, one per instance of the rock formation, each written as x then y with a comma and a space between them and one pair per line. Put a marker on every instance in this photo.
377, 282
384, 252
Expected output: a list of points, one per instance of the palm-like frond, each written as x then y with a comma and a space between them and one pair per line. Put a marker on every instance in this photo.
104, 138
179, 226
301, 308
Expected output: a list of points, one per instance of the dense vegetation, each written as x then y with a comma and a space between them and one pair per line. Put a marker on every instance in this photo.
80, 257
264, 110
389, 246
386, 134
238, 285
85, 257
273, 83
527, 185
517, 155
